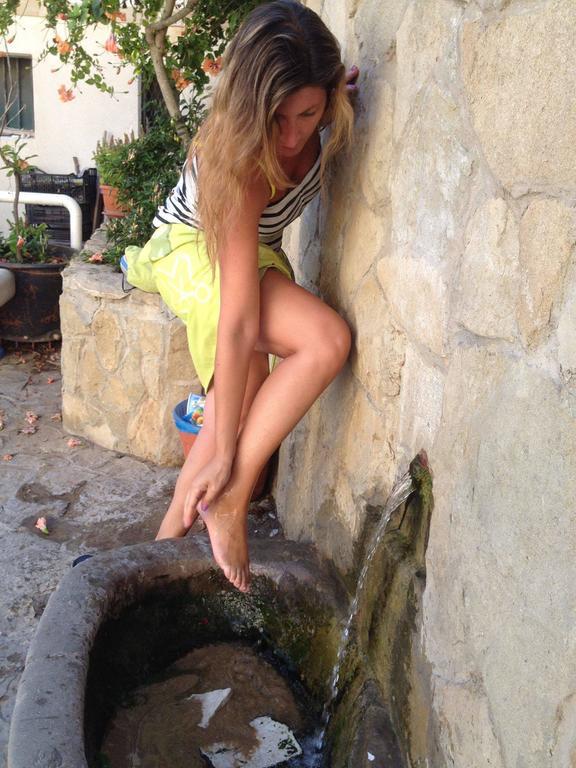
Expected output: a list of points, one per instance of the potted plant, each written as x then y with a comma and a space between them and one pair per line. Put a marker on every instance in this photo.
33, 313
150, 168
110, 157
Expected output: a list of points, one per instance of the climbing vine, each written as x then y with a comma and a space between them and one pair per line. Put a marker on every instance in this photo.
168, 43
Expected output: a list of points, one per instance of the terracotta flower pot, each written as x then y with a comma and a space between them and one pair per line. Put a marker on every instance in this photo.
112, 207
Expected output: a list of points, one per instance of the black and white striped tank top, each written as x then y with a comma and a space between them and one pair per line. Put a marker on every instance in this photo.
180, 205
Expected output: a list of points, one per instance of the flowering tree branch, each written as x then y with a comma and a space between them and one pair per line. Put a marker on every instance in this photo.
142, 42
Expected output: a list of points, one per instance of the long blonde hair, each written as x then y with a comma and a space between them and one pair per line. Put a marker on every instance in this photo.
280, 47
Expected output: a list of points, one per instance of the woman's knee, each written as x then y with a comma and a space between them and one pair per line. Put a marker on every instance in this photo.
333, 342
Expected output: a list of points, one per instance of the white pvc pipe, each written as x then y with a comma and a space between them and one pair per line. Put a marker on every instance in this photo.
48, 198
7, 286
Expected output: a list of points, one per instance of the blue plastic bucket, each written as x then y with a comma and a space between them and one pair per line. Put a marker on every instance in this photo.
184, 421
187, 429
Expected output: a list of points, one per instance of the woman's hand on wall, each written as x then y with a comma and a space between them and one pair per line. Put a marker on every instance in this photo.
207, 485
351, 79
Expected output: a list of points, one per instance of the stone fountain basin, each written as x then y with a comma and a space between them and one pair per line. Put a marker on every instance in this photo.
162, 599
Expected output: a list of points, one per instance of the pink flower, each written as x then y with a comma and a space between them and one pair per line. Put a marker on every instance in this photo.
63, 46
65, 94
111, 45
41, 525
115, 15
179, 80
7, 457
212, 66
96, 258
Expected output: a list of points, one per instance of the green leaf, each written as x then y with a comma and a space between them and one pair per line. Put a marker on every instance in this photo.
97, 10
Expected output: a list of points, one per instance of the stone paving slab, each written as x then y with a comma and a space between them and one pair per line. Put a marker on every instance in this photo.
93, 499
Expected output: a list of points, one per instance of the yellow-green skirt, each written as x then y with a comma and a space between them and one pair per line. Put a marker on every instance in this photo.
175, 264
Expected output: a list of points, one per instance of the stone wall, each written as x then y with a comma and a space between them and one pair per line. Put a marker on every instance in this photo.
448, 244
125, 365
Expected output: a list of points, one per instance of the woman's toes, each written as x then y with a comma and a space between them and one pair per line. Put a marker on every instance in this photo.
229, 572
244, 581
238, 579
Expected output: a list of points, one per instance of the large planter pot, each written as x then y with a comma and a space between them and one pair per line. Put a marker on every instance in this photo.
34, 314
112, 207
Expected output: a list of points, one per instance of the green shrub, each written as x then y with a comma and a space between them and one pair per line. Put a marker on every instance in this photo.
150, 168
26, 244
110, 157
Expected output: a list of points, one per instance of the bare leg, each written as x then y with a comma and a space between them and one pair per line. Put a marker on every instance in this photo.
203, 449
314, 343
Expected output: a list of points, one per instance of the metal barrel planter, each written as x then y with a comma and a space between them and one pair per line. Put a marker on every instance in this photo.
34, 313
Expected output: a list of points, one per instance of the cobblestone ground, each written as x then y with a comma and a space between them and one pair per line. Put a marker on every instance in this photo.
93, 499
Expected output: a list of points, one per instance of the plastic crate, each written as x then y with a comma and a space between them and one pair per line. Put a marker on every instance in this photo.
83, 189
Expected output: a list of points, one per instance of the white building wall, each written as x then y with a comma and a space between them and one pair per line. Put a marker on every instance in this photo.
64, 130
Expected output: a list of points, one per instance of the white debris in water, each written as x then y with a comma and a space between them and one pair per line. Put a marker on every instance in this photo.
276, 745
274, 532
371, 757
211, 702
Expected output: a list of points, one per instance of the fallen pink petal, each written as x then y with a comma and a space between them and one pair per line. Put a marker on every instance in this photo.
31, 417
73, 442
41, 525
28, 430
50, 380
56, 417
7, 457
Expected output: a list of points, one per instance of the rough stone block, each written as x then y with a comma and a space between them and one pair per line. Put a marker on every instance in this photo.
471, 739
108, 336
90, 375
125, 365
420, 406
429, 191
566, 335
375, 28
489, 280
77, 315
70, 361
547, 238
527, 125
367, 453
505, 480
377, 148
378, 351
364, 239
425, 41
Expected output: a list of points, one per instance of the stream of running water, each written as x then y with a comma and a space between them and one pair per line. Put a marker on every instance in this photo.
398, 495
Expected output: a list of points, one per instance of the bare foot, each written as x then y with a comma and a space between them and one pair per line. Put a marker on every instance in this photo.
227, 523
172, 527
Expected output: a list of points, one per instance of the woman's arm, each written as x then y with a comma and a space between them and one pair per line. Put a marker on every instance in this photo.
239, 320
238, 329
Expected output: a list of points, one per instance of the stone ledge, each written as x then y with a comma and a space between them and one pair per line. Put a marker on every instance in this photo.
125, 365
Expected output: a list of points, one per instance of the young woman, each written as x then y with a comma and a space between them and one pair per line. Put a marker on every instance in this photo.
216, 260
